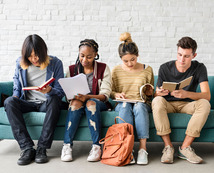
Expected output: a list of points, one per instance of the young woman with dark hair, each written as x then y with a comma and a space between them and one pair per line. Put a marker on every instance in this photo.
33, 68
99, 81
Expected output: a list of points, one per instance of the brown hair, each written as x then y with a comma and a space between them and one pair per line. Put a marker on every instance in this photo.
36, 43
128, 47
187, 43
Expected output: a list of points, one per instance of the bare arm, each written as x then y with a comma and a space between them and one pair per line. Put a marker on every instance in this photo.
84, 98
204, 94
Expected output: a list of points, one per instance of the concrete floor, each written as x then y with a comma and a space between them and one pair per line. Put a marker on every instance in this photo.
9, 153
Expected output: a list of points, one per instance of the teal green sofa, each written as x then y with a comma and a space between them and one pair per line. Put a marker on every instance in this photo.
34, 121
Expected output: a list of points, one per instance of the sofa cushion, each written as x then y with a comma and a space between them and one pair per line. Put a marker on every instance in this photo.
37, 118
31, 118
3, 116
177, 120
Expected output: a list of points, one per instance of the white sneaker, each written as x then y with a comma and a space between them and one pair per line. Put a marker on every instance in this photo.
66, 155
94, 154
168, 154
189, 154
142, 158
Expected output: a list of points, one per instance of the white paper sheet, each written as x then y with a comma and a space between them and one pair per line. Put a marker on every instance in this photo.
74, 85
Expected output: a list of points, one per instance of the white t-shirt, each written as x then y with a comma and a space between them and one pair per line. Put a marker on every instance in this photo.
35, 77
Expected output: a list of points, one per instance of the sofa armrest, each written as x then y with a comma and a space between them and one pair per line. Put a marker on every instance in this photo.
6, 89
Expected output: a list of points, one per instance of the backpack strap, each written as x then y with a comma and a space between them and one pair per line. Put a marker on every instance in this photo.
117, 117
107, 138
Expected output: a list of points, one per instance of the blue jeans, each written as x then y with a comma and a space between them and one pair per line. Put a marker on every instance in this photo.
94, 121
15, 107
137, 113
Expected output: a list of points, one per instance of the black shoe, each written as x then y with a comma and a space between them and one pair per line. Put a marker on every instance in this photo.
27, 156
41, 156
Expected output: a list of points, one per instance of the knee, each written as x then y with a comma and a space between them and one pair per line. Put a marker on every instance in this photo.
54, 102
10, 101
53, 99
126, 106
91, 106
90, 103
204, 104
140, 106
141, 110
158, 101
75, 105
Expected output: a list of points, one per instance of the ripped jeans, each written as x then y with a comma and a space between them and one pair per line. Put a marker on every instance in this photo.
93, 117
138, 113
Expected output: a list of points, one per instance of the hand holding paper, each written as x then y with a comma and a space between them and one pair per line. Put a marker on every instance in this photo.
74, 85
82, 98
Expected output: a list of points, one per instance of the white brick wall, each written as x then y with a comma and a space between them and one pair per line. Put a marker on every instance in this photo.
155, 25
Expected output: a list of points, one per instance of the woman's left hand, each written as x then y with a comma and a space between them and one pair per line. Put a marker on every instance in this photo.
82, 98
45, 90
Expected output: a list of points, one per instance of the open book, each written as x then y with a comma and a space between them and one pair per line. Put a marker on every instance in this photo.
74, 85
41, 86
171, 86
143, 90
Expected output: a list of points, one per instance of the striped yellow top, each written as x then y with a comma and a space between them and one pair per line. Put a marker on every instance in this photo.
130, 82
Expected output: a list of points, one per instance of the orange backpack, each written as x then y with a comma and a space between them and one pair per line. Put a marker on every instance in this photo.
118, 144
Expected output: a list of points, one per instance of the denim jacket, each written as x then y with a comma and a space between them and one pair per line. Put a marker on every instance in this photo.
54, 69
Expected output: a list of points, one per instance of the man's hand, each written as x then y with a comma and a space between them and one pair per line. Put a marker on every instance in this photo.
120, 95
46, 89
179, 93
161, 92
